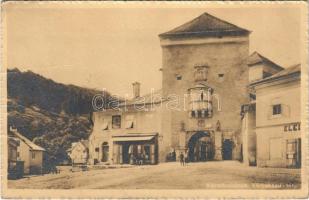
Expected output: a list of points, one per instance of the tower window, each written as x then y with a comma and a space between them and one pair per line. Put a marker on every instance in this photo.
220, 75
178, 77
193, 113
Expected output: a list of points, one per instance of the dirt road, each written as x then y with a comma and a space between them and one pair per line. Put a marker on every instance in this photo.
224, 174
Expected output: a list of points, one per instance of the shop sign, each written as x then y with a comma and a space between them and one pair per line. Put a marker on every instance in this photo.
292, 127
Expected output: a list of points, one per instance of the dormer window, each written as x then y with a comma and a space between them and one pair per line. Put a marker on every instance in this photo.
266, 74
200, 73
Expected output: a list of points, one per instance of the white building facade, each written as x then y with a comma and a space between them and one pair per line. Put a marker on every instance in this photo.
278, 119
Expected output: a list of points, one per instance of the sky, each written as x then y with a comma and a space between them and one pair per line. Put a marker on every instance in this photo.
110, 47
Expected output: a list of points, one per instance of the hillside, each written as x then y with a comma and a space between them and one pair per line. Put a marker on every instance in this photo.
51, 114
30, 89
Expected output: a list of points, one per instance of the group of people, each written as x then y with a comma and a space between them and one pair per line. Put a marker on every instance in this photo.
139, 159
183, 159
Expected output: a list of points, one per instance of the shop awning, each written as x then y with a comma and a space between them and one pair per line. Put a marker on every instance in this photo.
127, 139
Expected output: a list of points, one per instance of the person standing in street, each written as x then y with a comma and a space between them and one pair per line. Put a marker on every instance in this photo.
181, 158
186, 158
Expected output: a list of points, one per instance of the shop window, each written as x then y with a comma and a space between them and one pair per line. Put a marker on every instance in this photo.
147, 152
116, 121
139, 149
277, 109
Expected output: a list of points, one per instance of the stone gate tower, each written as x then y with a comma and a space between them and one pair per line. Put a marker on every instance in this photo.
204, 66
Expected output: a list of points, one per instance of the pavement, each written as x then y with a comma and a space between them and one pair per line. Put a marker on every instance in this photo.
207, 175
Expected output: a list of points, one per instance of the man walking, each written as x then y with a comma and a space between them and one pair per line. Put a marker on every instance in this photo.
182, 159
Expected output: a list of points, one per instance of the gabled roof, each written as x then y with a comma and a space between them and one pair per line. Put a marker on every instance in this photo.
84, 143
206, 25
292, 70
256, 58
27, 141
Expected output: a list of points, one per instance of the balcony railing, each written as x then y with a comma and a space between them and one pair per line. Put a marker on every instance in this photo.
200, 105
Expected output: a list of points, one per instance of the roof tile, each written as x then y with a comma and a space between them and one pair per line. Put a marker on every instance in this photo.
205, 25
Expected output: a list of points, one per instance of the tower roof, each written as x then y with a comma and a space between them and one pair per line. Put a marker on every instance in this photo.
284, 74
205, 25
256, 58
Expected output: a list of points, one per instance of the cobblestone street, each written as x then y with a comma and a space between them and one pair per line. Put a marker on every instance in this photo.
209, 175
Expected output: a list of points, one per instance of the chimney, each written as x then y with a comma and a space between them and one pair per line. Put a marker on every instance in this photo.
136, 89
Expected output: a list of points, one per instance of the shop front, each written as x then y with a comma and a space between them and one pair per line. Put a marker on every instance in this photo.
293, 145
136, 149
279, 146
